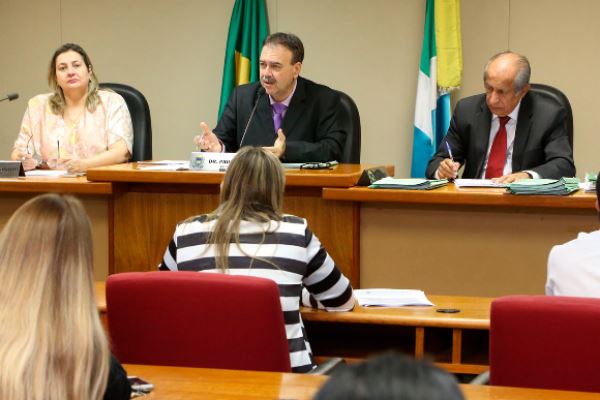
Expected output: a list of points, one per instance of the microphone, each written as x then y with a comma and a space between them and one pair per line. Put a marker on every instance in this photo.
259, 93
10, 97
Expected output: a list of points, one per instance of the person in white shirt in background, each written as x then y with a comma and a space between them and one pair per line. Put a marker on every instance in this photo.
574, 267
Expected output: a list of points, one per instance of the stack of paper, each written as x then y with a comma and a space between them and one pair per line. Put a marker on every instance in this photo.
391, 297
590, 182
164, 165
51, 173
560, 187
410, 184
478, 183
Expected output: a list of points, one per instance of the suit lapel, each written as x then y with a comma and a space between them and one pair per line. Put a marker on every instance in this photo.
522, 132
265, 115
296, 108
481, 135
263, 129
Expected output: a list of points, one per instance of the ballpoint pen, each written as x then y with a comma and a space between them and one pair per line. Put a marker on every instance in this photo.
449, 151
451, 157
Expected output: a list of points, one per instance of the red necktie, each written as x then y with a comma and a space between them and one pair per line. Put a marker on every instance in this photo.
497, 157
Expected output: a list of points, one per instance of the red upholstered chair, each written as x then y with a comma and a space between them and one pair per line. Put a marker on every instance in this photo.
545, 342
193, 319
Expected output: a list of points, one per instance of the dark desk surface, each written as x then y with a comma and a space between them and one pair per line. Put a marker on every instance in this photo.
200, 383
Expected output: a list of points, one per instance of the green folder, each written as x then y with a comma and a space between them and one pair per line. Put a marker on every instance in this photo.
408, 184
553, 187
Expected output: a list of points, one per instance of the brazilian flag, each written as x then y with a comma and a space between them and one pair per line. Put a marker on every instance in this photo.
247, 30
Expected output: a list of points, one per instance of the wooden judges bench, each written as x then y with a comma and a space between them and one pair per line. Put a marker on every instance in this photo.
146, 205
211, 384
477, 242
467, 242
134, 212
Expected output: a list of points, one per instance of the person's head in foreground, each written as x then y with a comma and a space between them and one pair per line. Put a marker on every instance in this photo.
52, 344
391, 377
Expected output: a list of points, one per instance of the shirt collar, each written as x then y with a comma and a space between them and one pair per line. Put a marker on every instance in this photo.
514, 114
288, 99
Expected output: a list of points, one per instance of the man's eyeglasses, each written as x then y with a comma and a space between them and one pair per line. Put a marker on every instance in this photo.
319, 165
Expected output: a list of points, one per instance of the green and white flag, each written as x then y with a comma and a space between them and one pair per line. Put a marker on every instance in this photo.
439, 73
247, 30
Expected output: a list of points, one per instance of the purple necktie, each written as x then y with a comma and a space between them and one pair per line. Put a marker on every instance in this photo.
278, 110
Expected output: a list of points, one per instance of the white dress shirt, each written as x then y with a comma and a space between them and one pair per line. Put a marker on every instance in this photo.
574, 267
511, 128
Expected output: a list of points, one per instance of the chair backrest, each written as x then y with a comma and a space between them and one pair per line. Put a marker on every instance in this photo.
560, 99
194, 319
545, 342
140, 118
350, 120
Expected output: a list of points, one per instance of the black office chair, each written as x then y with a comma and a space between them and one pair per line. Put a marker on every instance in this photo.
559, 98
350, 120
140, 118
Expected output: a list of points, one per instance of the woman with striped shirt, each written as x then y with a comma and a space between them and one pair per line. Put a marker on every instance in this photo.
248, 234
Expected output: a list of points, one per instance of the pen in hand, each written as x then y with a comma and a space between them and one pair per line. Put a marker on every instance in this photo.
450, 154
449, 151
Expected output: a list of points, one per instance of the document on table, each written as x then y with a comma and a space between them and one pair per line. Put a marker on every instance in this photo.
556, 187
391, 297
408, 184
51, 173
588, 187
292, 165
478, 183
164, 165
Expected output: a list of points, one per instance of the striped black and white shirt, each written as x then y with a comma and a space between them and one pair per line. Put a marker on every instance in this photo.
303, 270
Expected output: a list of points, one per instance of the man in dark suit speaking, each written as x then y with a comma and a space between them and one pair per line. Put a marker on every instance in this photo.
294, 118
506, 134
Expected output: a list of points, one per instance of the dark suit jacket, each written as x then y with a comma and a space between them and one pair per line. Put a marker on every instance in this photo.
310, 124
541, 139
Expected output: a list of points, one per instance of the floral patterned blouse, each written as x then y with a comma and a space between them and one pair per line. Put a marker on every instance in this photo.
49, 137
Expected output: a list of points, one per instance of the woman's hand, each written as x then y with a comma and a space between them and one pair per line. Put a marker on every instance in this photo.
75, 165
28, 161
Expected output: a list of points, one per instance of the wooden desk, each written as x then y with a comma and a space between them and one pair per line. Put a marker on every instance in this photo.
457, 342
78, 185
475, 242
96, 198
199, 383
148, 204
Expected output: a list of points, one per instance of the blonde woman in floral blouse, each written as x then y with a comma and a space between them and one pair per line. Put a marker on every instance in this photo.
78, 126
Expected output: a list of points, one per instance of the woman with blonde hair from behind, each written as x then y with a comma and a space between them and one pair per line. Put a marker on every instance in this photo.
248, 234
52, 343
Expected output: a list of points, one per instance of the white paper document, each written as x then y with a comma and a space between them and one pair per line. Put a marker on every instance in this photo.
51, 173
164, 165
588, 186
478, 183
391, 297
